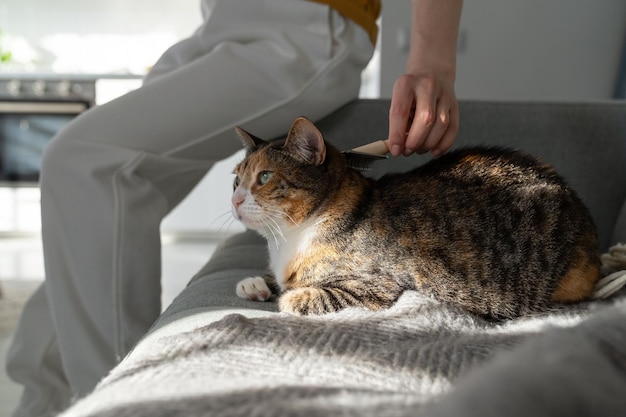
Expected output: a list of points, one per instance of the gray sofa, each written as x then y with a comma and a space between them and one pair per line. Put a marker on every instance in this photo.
211, 353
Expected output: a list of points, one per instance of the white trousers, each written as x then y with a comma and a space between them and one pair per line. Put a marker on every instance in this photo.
111, 176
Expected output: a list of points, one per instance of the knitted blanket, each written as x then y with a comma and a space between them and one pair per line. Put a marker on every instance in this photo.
418, 358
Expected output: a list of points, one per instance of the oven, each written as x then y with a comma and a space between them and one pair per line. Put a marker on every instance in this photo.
32, 111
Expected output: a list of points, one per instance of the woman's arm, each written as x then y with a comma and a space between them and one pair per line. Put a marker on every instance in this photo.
424, 114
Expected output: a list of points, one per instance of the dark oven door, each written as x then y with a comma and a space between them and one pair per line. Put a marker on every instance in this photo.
26, 127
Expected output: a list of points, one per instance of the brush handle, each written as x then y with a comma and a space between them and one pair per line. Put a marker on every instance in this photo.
375, 148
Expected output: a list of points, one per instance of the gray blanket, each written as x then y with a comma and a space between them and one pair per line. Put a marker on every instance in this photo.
419, 358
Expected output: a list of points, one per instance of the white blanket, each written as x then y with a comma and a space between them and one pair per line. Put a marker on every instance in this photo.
418, 358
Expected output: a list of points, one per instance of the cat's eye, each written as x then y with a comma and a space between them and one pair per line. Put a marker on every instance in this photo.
236, 182
264, 177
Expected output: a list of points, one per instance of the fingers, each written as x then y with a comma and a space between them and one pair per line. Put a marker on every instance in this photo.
423, 116
443, 131
452, 129
425, 119
401, 111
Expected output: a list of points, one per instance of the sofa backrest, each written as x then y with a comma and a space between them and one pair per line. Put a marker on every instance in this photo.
585, 142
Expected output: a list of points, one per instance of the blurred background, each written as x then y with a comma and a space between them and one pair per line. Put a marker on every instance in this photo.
60, 58
89, 52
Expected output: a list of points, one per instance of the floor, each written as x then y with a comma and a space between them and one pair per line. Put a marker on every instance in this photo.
21, 267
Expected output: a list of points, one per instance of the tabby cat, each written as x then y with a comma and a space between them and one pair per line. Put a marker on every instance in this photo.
490, 229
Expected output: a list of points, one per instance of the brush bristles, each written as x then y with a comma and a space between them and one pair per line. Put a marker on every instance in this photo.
362, 161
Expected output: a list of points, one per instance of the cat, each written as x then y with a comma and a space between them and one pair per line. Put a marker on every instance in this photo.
490, 229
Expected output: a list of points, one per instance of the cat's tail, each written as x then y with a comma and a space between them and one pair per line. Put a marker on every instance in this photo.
613, 272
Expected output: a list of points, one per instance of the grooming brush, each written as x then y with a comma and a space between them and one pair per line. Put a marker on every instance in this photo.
361, 158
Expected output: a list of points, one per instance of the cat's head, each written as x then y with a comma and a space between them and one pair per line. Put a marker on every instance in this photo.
280, 184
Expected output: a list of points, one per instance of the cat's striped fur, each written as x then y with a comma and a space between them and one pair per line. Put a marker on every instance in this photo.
492, 230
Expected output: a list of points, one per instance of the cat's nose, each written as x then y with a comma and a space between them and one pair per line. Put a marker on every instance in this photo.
237, 199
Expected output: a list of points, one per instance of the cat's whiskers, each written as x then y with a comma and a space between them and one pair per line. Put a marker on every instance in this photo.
289, 217
278, 229
271, 229
282, 213
226, 217
227, 224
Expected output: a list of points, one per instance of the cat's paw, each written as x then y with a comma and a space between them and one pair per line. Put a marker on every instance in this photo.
254, 289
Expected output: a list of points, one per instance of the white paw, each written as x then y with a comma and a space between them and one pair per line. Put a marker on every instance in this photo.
253, 289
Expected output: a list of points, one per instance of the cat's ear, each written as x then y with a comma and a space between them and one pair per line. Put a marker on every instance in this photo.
305, 142
248, 140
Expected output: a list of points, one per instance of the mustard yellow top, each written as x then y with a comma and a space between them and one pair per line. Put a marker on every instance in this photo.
362, 12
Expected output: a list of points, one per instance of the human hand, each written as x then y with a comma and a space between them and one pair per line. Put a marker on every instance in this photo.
423, 116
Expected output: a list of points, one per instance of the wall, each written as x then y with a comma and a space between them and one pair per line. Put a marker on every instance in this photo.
531, 49
93, 36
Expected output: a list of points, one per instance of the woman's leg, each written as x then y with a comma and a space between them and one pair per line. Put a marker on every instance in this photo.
111, 176
35, 361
